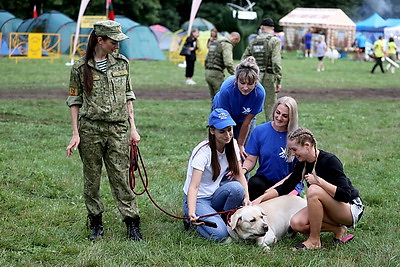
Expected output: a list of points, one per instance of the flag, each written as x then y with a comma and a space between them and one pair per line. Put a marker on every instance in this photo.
34, 12
110, 10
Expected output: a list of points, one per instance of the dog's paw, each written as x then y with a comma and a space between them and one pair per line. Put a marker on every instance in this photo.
228, 240
266, 248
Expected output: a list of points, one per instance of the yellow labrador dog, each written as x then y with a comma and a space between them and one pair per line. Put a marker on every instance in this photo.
267, 222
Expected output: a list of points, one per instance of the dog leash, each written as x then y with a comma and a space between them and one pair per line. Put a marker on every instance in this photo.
137, 164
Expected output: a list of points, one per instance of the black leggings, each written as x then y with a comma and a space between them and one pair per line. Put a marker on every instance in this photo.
257, 186
189, 68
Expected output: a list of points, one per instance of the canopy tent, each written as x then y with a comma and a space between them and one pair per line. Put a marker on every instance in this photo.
393, 32
200, 24
338, 28
373, 23
163, 35
142, 43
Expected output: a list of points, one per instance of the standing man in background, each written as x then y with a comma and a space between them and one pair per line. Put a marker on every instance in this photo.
219, 57
266, 48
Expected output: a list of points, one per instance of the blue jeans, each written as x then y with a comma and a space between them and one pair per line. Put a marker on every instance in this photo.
227, 197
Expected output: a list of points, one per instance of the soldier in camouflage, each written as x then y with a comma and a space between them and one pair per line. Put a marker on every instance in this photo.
100, 100
219, 57
266, 48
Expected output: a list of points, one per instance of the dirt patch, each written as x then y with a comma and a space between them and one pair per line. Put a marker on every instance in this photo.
201, 93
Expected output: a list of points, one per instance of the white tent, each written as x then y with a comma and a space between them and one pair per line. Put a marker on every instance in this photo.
393, 32
338, 28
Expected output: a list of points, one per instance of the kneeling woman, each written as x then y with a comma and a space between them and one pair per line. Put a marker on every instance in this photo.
333, 204
210, 161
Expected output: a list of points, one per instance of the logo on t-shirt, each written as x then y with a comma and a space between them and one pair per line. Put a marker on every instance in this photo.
246, 110
282, 154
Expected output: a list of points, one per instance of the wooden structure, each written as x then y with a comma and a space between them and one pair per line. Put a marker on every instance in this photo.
339, 30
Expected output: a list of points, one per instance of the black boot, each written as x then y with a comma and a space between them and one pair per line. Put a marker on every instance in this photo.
96, 225
133, 228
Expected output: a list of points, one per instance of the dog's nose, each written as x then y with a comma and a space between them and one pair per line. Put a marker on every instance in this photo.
266, 227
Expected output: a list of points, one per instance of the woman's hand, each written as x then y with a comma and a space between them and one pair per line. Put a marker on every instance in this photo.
243, 154
193, 219
247, 202
74, 143
312, 179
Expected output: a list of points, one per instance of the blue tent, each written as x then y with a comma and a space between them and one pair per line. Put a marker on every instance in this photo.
142, 43
371, 24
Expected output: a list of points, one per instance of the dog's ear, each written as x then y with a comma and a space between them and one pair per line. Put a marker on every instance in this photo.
234, 220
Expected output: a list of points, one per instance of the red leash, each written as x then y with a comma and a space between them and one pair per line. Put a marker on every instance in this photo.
135, 157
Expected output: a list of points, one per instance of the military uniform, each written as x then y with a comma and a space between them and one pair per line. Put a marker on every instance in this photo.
266, 49
218, 58
103, 130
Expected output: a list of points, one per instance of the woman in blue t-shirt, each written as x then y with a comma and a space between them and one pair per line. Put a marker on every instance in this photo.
242, 96
267, 145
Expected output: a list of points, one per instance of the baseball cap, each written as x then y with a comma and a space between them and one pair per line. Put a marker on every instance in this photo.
220, 119
268, 22
109, 28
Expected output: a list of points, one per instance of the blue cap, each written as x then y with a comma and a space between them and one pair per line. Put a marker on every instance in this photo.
220, 119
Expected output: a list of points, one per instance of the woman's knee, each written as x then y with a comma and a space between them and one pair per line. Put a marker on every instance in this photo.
314, 191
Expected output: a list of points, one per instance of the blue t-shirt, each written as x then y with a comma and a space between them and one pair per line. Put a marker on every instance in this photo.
269, 146
238, 105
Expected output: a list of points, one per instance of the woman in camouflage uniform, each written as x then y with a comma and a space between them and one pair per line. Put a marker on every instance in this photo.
100, 100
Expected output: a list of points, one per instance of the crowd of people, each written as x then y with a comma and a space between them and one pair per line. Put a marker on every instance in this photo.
217, 179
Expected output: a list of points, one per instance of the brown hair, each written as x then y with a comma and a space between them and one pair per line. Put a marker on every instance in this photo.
87, 71
230, 155
302, 135
247, 69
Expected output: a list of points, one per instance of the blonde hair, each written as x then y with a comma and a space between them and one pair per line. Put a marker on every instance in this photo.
247, 69
291, 104
302, 135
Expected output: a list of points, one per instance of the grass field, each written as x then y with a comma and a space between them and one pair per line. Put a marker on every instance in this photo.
298, 73
41, 203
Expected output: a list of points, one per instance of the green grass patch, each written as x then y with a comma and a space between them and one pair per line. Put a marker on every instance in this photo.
298, 73
43, 214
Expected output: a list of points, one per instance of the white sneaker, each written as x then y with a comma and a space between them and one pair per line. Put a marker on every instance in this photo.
191, 82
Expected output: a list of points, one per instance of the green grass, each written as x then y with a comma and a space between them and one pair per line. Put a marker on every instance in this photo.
43, 217
298, 73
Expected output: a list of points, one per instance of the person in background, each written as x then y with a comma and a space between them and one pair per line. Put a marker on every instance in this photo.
267, 145
379, 53
191, 43
100, 100
211, 159
243, 97
361, 40
308, 43
219, 57
333, 204
213, 37
392, 48
321, 50
266, 49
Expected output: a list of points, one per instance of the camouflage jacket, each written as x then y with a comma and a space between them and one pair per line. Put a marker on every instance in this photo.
270, 60
220, 55
111, 90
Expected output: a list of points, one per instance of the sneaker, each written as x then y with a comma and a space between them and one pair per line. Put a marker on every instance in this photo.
191, 82
318, 70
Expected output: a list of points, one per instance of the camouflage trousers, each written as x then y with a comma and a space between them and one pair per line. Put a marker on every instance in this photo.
108, 142
268, 81
214, 79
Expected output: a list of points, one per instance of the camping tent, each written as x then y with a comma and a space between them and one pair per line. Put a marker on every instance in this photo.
338, 28
142, 43
51, 22
200, 24
163, 35
8, 23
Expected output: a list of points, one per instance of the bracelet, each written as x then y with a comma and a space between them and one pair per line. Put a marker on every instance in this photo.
244, 168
